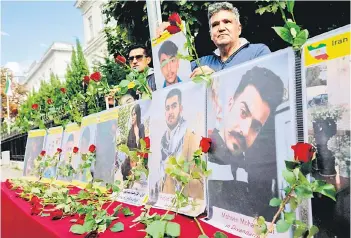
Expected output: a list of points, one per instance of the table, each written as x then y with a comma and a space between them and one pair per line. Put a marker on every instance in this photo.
16, 221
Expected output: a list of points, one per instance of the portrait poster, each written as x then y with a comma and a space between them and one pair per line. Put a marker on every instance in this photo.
87, 137
170, 69
247, 107
52, 143
177, 123
105, 144
326, 76
34, 146
69, 141
132, 125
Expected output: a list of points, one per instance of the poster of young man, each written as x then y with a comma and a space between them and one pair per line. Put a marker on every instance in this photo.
133, 125
69, 141
34, 146
52, 143
241, 115
326, 76
105, 145
169, 69
87, 137
177, 123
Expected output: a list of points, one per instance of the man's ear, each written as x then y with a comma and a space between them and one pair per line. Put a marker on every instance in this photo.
148, 60
239, 29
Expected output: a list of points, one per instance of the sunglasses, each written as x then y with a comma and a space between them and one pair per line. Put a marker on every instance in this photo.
137, 57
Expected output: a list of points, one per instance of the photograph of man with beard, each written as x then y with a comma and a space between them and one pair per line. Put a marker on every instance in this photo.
177, 141
169, 63
250, 181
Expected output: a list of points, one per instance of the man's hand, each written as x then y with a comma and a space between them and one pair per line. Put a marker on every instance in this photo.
161, 28
201, 70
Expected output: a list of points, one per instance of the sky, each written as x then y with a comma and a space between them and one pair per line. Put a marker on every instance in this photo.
28, 28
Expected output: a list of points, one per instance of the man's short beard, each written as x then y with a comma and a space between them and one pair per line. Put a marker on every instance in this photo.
171, 127
241, 140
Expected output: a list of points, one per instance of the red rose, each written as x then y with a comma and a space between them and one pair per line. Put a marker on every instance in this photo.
147, 142
63, 90
49, 101
36, 209
80, 220
42, 153
35, 200
303, 152
75, 149
205, 144
120, 60
174, 19
8, 184
57, 214
35, 106
96, 76
86, 79
59, 150
14, 111
92, 148
143, 155
173, 29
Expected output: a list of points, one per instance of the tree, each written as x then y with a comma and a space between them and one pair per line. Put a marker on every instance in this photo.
19, 94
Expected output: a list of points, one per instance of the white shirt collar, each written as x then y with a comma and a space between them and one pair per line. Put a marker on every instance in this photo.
243, 41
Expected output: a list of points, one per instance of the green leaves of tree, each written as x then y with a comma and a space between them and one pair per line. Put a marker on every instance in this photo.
117, 227
282, 226
275, 202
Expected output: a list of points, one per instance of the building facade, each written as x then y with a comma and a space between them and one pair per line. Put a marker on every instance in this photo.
94, 44
55, 60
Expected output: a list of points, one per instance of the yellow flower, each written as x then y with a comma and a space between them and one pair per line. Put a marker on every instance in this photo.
118, 89
131, 85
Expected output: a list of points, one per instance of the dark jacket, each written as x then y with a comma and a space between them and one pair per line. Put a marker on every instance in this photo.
250, 198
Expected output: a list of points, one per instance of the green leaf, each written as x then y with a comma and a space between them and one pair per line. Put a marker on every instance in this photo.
300, 229
302, 179
173, 229
301, 38
203, 236
290, 5
313, 230
168, 217
117, 227
156, 228
290, 217
275, 202
219, 234
289, 177
261, 220
77, 229
35, 190
325, 189
282, 226
304, 191
293, 203
283, 33
45, 215
291, 165
306, 168
116, 210
127, 212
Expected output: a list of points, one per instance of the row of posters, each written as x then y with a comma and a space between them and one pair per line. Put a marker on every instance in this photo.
249, 112
238, 112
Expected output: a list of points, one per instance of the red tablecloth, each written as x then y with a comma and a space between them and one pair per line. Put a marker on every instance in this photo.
16, 221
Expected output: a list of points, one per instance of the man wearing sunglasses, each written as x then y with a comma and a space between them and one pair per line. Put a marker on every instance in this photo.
139, 59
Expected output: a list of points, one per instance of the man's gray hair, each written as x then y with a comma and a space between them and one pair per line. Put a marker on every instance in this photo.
220, 6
